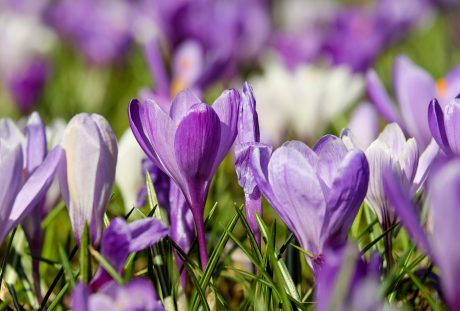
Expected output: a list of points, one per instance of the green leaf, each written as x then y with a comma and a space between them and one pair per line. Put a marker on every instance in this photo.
107, 266
66, 266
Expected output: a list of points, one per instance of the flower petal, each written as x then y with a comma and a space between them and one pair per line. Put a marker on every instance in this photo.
182, 103
437, 126
248, 124
36, 142
452, 123
348, 191
379, 97
414, 88
405, 209
196, 144
227, 108
299, 195
425, 163
330, 150
34, 190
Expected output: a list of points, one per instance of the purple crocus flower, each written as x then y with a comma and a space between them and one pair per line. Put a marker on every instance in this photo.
27, 84
414, 89
441, 244
88, 175
100, 29
137, 295
444, 125
362, 287
248, 132
188, 144
20, 194
316, 192
122, 238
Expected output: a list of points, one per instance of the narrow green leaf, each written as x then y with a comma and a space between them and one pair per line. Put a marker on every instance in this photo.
5, 257
107, 266
14, 296
57, 300
66, 266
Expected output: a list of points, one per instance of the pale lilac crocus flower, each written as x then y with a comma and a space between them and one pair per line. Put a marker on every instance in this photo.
136, 295
188, 144
316, 192
414, 89
88, 175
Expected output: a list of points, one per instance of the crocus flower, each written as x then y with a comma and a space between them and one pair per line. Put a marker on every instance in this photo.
101, 30
303, 99
188, 144
414, 89
441, 244
444, 125
364, 124
344, 270
316, 192
122, 238
24, 68
248, 132
392, 152
136, 295
19, 195
88, 175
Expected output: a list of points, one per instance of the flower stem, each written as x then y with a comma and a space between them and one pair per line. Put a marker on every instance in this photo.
199, 223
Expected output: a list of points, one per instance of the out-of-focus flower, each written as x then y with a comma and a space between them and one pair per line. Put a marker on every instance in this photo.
248, 132
316, 192
359, 34
136, 295
129, 177
188, 144
444, 125
364, 124
122, 238
23, 65
239, 30
100, 29
20, 193
443, 199
88, 175
306, 97
414, 89
345, 270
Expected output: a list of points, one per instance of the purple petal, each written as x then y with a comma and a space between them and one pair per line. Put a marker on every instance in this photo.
182, 225
437, 127
11, 170
425, 163
405, 209
444, 196
34, 190
300, 201
227, 108
157, 67
408, 159
182, 103
248, 124
244, 172
452, 123
253, 206
330, 150
145, 233
414, 88
36, 142
196, 144
379, 97
364, 124
394, 138
80, 298
452, 90
309, 154
138, 126
349, 188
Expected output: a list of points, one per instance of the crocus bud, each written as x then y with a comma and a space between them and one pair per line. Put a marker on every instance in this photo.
88, 174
